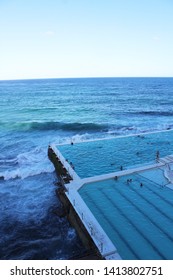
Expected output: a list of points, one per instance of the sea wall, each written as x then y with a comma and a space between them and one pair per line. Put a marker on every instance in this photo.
68, 209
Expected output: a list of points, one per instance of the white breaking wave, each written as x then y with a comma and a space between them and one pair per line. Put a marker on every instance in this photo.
28, 164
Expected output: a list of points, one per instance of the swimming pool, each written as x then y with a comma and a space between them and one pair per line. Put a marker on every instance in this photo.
137, 216
109, 155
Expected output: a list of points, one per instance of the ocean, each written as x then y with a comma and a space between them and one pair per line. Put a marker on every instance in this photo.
35, 113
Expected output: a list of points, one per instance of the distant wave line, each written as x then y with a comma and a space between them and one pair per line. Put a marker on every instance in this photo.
153, 113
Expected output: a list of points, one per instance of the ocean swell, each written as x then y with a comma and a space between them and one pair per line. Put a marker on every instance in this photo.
53, 125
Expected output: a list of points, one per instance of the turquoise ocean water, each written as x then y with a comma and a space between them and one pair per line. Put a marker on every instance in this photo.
34, 113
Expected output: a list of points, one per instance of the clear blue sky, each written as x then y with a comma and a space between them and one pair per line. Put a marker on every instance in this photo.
85, 38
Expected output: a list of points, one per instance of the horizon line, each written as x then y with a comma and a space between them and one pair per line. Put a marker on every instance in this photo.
89, 77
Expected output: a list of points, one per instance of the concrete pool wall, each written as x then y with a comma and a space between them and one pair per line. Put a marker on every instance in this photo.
86, 218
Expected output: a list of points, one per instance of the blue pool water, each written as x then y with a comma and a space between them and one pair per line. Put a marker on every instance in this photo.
106, 156
137, 219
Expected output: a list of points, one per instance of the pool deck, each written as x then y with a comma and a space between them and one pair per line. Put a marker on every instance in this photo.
105, 246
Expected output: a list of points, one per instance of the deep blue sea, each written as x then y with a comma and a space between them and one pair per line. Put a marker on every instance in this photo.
34, 113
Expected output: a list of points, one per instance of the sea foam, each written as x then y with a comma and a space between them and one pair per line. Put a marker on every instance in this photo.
28, 164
